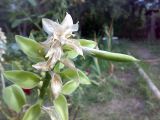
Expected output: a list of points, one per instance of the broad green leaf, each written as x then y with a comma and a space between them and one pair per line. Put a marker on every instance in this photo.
70, 87
71, 74
14, 97
22, 78
58, 67
61, 107
31, 48
33, 113
109, 55
87, 43
69, 52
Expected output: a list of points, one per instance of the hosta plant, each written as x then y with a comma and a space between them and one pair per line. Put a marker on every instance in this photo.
54, 58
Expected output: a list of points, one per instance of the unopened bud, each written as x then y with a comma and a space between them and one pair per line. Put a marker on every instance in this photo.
56, 85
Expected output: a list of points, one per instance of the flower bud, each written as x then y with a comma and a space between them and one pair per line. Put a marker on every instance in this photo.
56, 85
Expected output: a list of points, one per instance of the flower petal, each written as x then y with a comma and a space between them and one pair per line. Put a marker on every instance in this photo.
75, 27
51, 27
43, 66
50, 52
48, 42
67, 22
53, 49
70, 29
47, 26
56, 56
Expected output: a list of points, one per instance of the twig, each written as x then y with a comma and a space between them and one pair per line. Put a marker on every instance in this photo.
151, 85
96, 62
2, 78
152, 60
76, 113
4, 112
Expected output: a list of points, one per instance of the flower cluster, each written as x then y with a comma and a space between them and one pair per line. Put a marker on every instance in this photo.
2, 44
58, 36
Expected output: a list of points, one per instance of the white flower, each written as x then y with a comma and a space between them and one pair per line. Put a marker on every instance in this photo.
58, 35
60, 31
53, 56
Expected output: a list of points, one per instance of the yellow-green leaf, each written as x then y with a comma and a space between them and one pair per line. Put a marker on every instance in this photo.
69, 87
69, 52
109, 55
14, 97
61, 107
58, 67
22, 78
33, 113
71, 74
31, 48
87, 43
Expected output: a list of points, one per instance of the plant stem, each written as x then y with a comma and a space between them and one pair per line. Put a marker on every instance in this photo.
76, 112
97, 66
2, 110
44, 88
6, 115
2, 78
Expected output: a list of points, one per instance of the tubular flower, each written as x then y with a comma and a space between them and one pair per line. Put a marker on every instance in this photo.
58, 35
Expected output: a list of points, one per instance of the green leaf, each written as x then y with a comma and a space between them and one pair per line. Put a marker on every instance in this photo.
17, 22
71, 74
109, 55
61, 107
58, 67
70, 87
69, 52
33, 113
14, 97
31, 48
87, 43
22, 78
